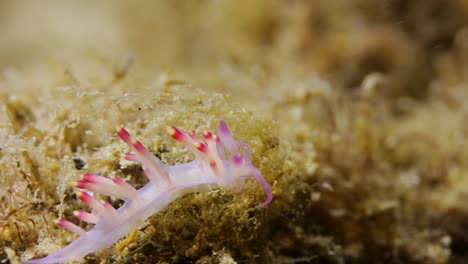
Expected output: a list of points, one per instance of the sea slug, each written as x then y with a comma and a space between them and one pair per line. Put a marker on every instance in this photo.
219, 161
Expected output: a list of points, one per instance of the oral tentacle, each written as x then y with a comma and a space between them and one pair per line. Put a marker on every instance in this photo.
266, 187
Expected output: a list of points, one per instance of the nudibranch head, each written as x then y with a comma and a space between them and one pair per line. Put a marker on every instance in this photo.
229, 159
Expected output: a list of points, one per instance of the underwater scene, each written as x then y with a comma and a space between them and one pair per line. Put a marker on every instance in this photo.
249, 131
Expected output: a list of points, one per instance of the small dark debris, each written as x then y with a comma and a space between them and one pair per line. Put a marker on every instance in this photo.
79, 163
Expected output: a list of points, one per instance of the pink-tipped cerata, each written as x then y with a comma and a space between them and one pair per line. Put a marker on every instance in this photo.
220, 160
85, 216
70, 227
131, 157
226, 138
126, 188
176, 133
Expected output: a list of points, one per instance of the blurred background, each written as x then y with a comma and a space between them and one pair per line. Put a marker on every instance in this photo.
213, 42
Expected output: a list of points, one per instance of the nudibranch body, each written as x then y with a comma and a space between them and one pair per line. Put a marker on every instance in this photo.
219, 161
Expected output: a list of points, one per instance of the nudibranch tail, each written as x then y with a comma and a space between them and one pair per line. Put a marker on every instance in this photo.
219, 161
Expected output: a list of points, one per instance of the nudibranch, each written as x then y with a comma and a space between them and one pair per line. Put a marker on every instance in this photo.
219, 161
